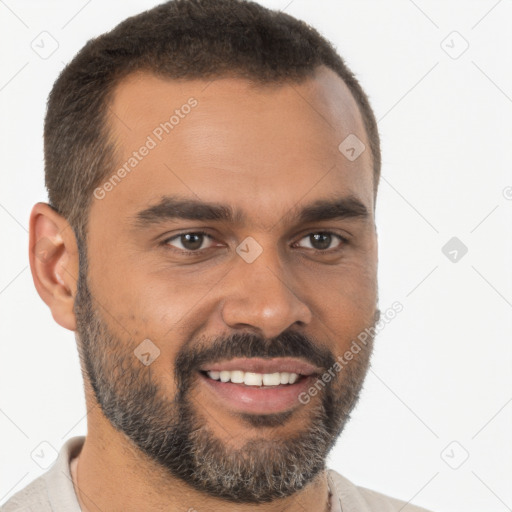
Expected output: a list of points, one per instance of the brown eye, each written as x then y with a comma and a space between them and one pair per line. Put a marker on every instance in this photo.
188, 242
322, 240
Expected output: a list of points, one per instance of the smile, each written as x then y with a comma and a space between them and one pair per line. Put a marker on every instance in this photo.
257, 385
254, 379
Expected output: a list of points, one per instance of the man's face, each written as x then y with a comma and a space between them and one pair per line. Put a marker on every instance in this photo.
271, 291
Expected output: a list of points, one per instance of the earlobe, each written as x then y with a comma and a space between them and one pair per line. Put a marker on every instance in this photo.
53, 258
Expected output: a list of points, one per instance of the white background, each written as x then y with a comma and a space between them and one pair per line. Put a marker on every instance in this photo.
442, 368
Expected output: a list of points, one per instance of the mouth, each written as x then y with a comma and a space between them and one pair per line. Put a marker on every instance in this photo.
255, 379
256, 385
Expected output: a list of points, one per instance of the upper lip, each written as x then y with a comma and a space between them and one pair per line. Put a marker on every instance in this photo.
260, 365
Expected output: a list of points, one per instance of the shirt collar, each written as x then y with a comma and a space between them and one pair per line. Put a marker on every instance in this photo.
62, 494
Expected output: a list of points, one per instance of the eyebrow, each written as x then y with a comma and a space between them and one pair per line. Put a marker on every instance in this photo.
175, 208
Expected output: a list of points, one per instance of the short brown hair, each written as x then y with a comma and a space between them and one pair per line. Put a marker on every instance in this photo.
191, 39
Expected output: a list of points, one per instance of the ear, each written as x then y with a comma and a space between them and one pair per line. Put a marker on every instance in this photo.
53, 254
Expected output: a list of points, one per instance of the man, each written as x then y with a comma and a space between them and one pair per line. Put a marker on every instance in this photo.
212, 169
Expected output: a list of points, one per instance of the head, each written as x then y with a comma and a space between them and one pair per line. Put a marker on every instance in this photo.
218, 166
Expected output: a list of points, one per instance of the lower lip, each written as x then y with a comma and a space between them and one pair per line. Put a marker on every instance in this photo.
257, 400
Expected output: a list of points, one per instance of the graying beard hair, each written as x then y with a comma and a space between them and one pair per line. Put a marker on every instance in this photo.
261, 471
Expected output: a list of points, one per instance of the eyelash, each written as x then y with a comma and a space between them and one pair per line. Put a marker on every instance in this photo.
196, 252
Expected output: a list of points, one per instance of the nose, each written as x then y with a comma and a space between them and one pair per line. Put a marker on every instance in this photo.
260, 296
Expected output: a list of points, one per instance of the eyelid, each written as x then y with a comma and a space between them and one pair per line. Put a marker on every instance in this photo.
189, 232
344, 241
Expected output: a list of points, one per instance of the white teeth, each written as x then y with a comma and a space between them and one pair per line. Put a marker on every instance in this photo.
293, 378
237, 377
225, 376
271, 379
254, 379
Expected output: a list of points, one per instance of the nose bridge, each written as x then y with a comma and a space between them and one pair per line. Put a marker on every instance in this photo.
260, 294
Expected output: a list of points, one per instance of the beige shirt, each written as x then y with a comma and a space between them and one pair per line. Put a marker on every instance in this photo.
53, 491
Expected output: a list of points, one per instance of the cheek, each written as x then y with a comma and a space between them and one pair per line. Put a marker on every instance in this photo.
348, 296
164, 306
344, 299
168, 305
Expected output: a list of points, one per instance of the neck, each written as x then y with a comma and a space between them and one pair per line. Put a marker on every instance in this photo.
110, 474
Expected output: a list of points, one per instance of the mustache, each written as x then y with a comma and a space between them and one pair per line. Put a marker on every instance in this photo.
287, 344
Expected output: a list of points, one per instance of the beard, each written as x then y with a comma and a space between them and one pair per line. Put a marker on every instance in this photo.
172, 433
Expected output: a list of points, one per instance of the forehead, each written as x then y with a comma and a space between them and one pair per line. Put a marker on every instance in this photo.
229, 141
